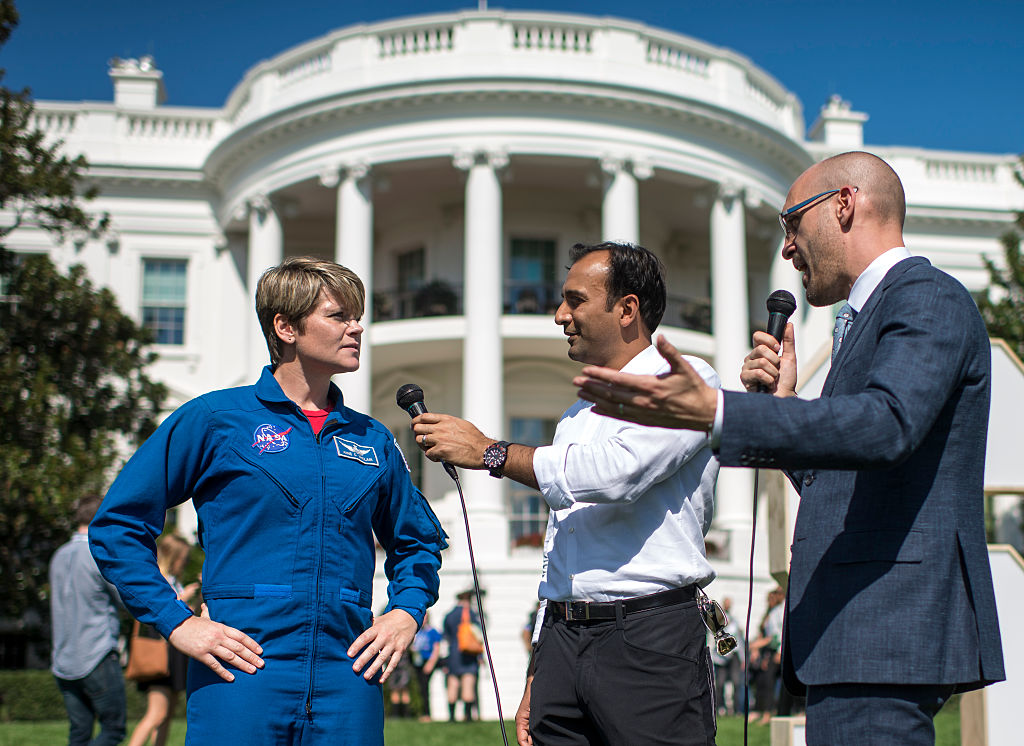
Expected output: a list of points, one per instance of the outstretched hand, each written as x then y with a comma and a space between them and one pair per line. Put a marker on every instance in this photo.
211, 642
678, 398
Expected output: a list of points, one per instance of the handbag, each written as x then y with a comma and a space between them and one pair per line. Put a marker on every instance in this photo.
468, 635
147, 657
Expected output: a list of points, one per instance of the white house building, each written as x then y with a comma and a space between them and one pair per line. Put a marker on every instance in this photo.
451, 160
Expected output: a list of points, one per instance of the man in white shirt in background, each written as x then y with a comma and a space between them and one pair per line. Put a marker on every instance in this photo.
620, 653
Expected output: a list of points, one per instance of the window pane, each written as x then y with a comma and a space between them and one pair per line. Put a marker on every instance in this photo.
163, 282
411, 269
530, 286
163, 299
527, 510
167, 324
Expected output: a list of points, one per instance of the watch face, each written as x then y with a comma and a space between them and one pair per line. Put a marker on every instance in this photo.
494, 455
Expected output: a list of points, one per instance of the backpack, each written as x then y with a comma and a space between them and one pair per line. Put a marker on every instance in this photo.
469, 635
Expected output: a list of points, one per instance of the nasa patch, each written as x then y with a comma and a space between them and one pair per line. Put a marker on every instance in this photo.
362, 454
270, 439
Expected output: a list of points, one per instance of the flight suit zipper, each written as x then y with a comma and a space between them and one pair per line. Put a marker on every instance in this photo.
318, 437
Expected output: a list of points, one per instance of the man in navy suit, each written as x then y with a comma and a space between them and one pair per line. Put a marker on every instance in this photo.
890, 606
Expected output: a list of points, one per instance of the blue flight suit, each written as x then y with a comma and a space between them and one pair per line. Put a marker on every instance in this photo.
287, 520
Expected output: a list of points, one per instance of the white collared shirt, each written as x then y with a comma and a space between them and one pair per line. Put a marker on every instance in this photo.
873, 275
630, 504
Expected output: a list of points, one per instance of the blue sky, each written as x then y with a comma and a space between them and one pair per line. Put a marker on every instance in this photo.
932, 74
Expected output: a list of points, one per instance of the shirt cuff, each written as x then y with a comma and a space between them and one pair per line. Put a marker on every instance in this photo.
716, 428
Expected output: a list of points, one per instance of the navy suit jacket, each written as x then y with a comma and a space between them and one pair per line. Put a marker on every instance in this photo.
889, 578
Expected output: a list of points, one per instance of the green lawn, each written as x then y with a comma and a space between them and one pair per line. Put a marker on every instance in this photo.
411, 733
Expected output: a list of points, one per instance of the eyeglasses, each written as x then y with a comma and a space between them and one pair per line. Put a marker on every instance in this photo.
716, 620
790, 219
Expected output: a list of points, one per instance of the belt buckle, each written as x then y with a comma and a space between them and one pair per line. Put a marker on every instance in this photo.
570, 612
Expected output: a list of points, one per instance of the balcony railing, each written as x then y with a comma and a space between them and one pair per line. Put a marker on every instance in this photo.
440, 298
688, 313
436, 298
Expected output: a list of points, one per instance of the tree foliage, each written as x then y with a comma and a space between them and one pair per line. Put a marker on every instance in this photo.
39, 186
73, 386
72, 389
1003, 304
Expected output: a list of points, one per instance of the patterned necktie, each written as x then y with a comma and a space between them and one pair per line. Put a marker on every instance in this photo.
843, 322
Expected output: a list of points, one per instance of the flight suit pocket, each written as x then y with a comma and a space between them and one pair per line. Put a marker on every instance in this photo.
296, 500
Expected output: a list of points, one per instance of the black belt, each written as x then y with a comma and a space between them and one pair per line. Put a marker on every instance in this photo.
584, 611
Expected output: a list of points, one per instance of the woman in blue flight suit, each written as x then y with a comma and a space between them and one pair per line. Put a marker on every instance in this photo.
290, 487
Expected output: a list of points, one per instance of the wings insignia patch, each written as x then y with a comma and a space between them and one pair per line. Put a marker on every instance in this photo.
356, 452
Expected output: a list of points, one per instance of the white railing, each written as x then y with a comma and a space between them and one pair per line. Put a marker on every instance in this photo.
416, 41
313, 65
761, 95
53, 123
674, 56
164, 126
552, 37
955, 170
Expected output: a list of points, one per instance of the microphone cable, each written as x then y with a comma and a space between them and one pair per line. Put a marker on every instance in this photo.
479, 602
781, 304
409, 398
746, 629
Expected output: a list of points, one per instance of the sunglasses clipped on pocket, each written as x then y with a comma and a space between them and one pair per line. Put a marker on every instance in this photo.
716, 620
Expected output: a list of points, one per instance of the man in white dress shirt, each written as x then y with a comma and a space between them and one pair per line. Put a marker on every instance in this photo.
620, 653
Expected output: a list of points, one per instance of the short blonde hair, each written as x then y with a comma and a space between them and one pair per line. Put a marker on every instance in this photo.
293, 289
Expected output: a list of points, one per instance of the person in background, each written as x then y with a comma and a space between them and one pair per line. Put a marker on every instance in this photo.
766, 658
84, 608
426, 654
729, 669
172, 553
463, 667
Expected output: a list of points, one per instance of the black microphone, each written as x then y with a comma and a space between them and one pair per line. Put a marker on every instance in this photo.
410, 398
781, 305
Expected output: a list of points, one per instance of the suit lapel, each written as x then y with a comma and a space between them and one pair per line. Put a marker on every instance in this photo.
860, 322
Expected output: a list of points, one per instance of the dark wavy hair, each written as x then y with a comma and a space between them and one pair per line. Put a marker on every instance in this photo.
633, 270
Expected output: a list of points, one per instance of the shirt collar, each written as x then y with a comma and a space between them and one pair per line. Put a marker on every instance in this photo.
269, 390
870, 278
643, 361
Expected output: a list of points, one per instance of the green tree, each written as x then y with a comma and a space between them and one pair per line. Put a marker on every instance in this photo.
39, 186
1002, 307
73, 387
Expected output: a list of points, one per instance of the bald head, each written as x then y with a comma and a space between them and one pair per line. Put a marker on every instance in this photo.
878, 186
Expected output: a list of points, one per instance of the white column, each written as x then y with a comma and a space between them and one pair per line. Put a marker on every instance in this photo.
353, 248
266, 250
730, 324
483, 389
620, 208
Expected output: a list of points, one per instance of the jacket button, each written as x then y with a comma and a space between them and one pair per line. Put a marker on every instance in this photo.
808, 480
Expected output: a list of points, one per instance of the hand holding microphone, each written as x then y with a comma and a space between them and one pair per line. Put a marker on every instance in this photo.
450, 440
764, 368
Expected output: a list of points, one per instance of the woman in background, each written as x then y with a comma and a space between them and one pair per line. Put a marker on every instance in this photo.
172, 552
